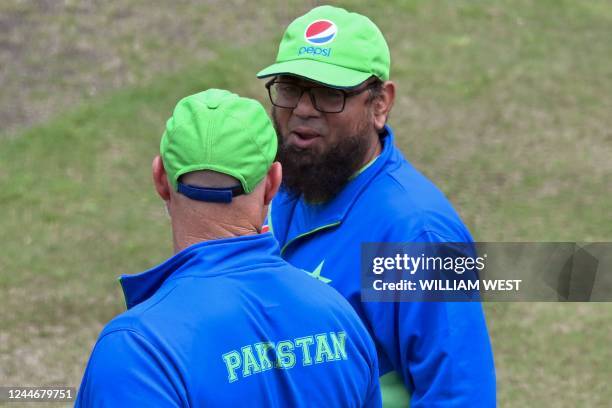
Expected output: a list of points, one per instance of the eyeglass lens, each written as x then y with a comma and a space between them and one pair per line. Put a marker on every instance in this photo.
288, 96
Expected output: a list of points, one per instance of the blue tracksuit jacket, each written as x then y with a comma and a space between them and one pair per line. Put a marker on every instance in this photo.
228, 323
440, 352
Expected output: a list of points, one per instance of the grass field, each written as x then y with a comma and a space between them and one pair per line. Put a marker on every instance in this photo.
505, 105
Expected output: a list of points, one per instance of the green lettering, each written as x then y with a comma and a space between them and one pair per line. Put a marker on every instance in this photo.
339, 343
232, 362
324, 352
250, 365
262, 354
285, 358
305, 343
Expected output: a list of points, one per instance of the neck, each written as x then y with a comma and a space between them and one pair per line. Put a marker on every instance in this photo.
373, 151
187, 235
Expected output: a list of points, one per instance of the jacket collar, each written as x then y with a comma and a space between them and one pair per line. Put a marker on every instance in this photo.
308, 218
208, 258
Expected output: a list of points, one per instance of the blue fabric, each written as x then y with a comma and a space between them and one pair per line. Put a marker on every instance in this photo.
211, 194
192, 319
440, 350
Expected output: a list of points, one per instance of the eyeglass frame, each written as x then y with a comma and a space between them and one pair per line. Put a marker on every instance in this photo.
346, 94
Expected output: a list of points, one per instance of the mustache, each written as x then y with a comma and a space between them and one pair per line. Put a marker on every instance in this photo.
294, 123
299, 123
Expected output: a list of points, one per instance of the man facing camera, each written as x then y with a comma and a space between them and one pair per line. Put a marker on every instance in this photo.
225, 321
345, 183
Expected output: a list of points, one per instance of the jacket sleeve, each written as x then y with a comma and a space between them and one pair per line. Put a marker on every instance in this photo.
441, 350
127, 370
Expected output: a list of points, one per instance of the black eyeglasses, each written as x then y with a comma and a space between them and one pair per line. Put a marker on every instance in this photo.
324, 99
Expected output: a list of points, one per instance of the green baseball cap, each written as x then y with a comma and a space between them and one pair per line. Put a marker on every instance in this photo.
220, 131
332, 46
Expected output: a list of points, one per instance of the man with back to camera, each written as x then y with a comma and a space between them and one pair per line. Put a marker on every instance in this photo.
344, 182
226, 321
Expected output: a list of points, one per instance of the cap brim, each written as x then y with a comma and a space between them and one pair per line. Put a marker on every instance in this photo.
327, 74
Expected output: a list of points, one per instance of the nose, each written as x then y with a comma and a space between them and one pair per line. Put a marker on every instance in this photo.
305, 107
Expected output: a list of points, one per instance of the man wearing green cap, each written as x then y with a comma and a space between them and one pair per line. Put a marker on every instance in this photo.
226, 321
345, 183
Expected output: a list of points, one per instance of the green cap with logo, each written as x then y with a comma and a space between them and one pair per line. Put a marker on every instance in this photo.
332, 46
220, 131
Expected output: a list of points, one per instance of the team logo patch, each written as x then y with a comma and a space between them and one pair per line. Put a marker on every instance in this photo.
320, 32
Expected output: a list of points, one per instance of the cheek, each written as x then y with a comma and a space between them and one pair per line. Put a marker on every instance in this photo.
280, 118
348, 125
365, 123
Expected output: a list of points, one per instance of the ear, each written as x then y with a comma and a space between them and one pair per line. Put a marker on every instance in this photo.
382, 104
273, 182
160, 180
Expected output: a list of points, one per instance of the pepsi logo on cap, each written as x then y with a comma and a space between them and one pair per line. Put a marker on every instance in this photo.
320, 32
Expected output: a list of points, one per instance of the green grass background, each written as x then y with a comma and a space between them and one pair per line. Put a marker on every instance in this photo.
506, 105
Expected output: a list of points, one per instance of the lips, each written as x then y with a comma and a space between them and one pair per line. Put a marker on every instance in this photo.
303, 137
